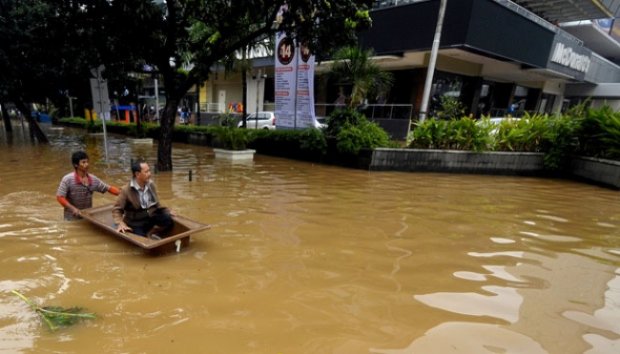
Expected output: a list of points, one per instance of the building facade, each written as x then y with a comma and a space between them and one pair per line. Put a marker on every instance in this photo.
496, 56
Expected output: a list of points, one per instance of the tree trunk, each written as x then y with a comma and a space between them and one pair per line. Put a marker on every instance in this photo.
164, 147
7, 120
35, 130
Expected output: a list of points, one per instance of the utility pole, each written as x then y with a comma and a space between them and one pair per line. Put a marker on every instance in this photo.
260, 76
433, 61
101, 101
156, 99
70, 104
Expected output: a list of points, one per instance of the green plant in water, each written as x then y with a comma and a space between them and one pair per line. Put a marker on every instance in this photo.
228, 136
56, 316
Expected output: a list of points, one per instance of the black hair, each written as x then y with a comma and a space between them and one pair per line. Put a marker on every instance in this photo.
78, 156
136, 166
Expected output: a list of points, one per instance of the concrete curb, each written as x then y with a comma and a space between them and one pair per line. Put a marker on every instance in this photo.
423, 160
600, 171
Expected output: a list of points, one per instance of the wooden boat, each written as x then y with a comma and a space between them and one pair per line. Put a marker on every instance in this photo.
179, 236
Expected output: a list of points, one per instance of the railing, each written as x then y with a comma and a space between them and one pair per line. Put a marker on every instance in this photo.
212, 107
372, 111
387, 3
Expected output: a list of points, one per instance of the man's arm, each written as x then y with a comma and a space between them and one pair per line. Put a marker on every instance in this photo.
114, 190
119, 209
61, 196
65, 203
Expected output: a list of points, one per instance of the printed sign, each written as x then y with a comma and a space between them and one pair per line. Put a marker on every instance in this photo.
294, 84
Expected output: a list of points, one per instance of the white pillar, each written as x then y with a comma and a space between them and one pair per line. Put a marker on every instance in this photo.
433, 60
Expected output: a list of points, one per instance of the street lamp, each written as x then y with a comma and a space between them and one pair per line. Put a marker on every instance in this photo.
70, 98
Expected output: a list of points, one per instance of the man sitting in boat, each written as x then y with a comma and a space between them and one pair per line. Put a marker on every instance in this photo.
137, 207
75, 191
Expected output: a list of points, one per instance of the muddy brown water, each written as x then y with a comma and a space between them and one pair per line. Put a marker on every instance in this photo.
308, 258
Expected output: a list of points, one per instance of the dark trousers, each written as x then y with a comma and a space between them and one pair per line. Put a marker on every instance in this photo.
161, 219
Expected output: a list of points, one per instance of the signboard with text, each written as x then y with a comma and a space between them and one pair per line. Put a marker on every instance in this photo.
294, 84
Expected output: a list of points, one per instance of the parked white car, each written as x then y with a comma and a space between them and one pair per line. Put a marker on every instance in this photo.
265, 120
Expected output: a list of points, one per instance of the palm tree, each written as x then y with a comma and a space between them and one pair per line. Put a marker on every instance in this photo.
354, 68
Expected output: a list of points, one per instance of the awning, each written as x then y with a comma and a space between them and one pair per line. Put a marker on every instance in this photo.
558, 11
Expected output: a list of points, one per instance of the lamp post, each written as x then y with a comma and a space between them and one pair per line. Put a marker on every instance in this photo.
156, 99
70, 103
432, 61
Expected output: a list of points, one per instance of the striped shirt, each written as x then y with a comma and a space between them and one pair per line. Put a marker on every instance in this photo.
79, 194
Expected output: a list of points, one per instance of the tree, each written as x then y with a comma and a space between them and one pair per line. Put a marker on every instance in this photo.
353, 68
19, 27
43, 54
184, 39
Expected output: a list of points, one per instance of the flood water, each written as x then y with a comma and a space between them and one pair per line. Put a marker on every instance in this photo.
309, 258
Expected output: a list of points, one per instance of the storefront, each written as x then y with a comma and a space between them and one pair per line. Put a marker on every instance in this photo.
494, 59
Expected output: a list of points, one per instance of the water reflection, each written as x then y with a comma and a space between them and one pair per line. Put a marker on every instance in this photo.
306, 258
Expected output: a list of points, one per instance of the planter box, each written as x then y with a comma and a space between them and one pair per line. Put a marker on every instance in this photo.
142, 141
600, 171
235, 155
423, 160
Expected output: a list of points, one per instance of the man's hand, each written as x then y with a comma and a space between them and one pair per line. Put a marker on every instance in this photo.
75, 211
122, 227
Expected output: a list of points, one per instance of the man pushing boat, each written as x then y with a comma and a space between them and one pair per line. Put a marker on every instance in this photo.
76, 189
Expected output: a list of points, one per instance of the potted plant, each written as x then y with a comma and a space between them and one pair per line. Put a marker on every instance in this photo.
230, 141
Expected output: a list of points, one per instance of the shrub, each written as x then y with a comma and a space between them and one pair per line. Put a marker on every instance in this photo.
599, 134
561, 141
365, 135
450, 108
313, 141
338, 118
307, 143
528, 134
231, 138
458, 134
468, 135
430, 134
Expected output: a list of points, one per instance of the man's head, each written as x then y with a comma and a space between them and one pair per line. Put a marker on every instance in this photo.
141, 171
79, 159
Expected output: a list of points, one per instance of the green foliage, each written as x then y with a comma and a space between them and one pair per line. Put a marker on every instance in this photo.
56, 316
561, 141
430, 134
450, 108
307, 144
599, 134
338, 118
527, 134
455, 134
313, 141
353, 68
364, 135
353, 131
228, 136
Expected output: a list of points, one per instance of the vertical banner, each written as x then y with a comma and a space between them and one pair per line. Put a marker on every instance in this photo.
305, 88
285, 81
294, 84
